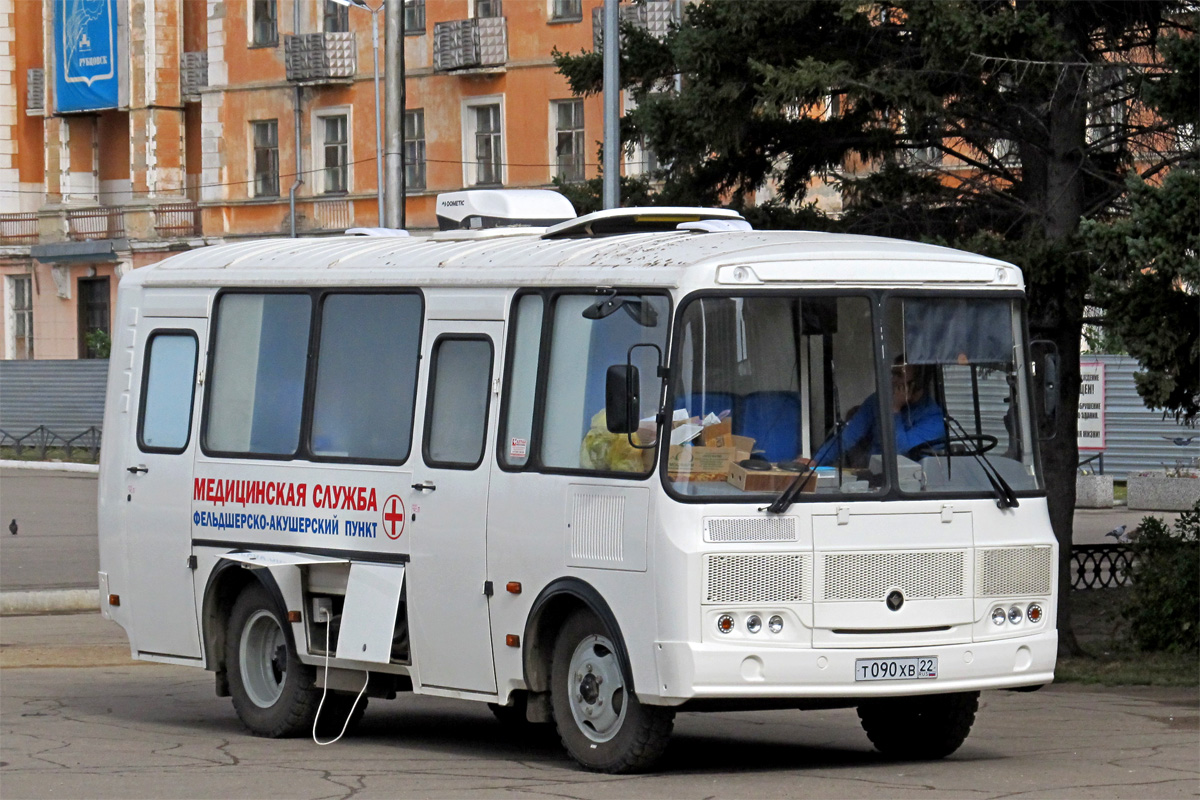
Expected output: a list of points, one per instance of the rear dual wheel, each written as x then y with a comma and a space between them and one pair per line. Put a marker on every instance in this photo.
600, 720
274, 694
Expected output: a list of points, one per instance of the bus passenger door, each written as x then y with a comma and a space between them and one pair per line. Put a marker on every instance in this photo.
447, 607
158, 488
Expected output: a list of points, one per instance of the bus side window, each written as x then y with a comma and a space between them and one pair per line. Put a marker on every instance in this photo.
366, 382
525, 349
456, 423
168, 391
591, 334
256, 391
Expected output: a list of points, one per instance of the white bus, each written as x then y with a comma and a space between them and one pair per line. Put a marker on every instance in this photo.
591, 471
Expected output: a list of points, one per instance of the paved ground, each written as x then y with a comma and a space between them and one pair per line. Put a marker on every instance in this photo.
124, 730
55, 545
56, 518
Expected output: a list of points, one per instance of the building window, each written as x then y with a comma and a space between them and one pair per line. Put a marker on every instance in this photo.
20, 304
414, 149
487, 8
486, 146
263, 28
336, 150
568, 147
93, 318
337, 17
266, 158
414, 16
566, 10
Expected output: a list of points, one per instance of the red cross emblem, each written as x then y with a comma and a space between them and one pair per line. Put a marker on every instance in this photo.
393, 517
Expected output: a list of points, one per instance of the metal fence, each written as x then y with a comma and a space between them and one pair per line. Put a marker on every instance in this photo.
1100, 566
47, 403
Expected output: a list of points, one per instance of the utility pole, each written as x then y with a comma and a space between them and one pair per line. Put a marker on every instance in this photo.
396, 196
612, 105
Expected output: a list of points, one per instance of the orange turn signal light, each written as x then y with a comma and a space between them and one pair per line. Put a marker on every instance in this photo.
114, 599
513, 587
512, 640
294, 616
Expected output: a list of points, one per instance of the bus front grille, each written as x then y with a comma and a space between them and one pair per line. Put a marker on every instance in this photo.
1014, 571
758, 578
750, 529
871, 575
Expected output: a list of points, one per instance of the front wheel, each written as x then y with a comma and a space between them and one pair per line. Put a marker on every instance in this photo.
919, 728
600, 720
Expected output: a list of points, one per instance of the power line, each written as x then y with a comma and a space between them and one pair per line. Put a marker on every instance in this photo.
371, 159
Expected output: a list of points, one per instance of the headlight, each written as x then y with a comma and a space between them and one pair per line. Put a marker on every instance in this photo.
998, 616
775, 624
753, 623
1015, 615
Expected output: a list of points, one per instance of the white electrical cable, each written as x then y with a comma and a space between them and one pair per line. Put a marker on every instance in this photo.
325, 690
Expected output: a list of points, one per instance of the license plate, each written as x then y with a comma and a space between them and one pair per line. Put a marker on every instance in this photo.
895, 669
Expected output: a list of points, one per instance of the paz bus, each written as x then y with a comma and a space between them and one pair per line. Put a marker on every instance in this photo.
591, 471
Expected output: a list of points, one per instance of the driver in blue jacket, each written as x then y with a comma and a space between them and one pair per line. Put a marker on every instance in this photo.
916, 417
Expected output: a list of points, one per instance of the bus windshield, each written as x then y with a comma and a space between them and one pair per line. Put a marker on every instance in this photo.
837, 386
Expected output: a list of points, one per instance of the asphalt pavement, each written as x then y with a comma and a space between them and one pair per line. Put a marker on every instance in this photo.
79, 719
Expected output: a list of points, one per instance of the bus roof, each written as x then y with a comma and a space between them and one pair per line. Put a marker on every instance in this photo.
502, 257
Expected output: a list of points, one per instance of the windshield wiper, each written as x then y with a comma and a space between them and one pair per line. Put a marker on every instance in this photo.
1005, 496
788, 495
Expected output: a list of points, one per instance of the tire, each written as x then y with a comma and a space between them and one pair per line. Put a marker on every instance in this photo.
601, 723
919, 728
273, 693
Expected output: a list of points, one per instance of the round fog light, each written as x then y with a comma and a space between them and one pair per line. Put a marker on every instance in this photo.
775, 623
1034, 612
753, 623
998, 616
725, 623
1015, 615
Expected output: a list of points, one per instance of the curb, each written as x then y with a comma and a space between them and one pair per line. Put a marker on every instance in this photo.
49, 601
50, 466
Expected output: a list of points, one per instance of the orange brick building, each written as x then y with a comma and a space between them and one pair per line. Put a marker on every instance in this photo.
201, 144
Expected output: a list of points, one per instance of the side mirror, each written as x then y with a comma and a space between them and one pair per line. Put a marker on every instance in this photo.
1045, 384
621, 401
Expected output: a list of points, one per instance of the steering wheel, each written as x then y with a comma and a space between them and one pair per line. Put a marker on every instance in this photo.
977, 444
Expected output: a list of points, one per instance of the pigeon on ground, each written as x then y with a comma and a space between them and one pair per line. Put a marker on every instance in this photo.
1119, 534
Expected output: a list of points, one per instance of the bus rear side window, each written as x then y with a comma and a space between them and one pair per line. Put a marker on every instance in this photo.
256, 392
166, 419
366, 376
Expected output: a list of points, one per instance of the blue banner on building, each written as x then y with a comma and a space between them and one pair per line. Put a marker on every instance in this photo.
87, 77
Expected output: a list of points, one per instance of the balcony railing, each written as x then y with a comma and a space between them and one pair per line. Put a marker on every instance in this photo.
177, 219
470, 43
95, 223
320, 57
21, 228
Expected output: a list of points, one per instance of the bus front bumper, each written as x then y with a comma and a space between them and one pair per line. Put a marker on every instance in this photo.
690, 670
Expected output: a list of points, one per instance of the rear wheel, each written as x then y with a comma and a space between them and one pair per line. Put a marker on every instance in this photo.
273, 693
600, 720
919, 728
